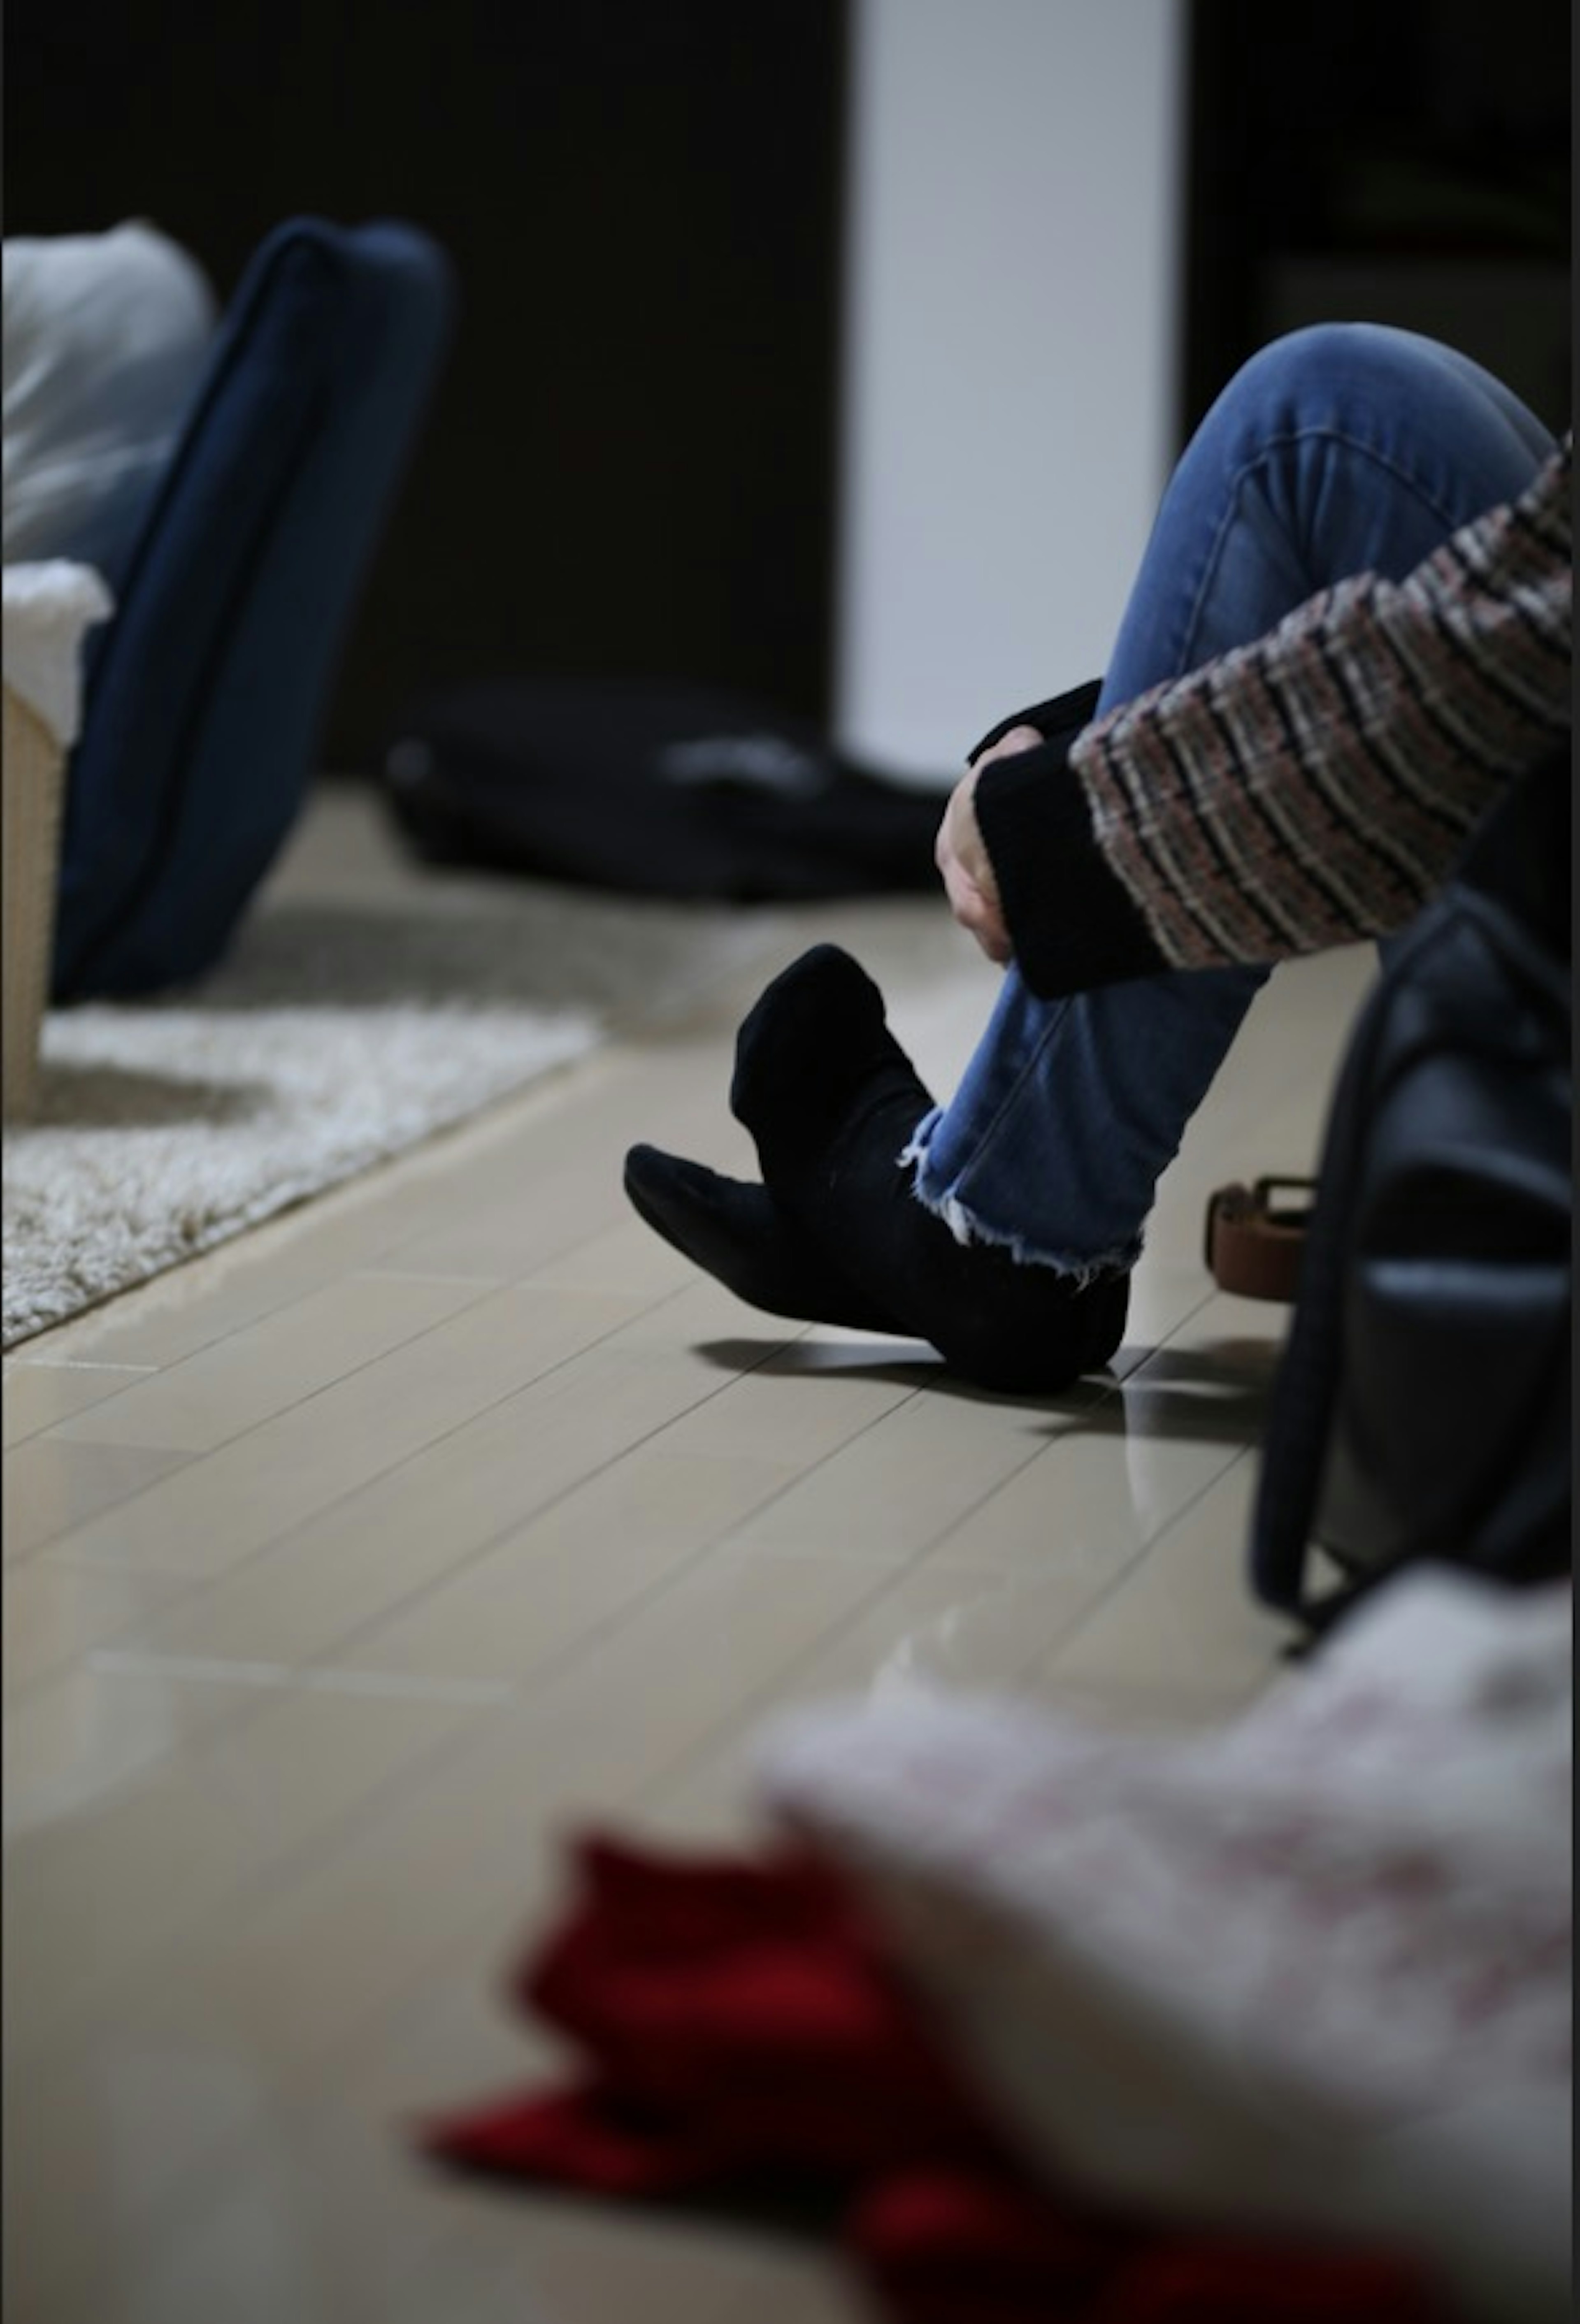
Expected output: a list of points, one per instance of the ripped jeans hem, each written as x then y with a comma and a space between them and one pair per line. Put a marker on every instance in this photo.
1083, 1267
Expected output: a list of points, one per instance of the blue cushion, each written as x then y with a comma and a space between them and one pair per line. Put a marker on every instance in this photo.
204, 696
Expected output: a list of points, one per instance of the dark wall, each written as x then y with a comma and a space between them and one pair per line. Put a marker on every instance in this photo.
1391, 160
630, 465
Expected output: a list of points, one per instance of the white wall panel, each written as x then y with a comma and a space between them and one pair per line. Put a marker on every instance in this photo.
1010, 353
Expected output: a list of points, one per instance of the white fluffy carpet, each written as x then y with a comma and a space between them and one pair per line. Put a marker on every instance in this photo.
366, 1005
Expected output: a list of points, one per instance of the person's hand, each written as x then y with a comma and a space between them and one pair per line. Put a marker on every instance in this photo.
964, 861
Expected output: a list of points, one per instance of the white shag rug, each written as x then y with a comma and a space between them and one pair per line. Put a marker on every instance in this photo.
367, 1004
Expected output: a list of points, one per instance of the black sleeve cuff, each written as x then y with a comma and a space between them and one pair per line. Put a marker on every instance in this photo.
1070, 918
1058, 720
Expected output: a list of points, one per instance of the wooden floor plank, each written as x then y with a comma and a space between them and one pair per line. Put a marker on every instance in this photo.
358, 1564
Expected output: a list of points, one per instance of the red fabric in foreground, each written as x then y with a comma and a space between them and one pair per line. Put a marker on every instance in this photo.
746, 2035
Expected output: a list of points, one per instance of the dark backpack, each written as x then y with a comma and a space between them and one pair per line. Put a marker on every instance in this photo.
1421, 1408
652, 787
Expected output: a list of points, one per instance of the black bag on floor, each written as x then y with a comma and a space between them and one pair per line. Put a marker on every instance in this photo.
1422, 1406
651, 790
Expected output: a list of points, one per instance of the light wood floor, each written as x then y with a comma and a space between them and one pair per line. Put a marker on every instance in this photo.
352, 1568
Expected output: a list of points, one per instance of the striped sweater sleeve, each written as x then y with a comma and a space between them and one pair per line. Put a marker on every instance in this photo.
1308, 789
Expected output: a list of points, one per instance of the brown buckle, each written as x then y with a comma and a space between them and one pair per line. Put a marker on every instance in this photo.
1253, 1245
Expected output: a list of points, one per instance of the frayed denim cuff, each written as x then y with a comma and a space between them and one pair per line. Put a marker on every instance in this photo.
1081, 1267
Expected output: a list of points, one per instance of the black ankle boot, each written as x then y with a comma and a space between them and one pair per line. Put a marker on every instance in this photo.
739, 1234
832, 1102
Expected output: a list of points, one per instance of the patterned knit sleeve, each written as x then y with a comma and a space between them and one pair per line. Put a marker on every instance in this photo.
1314, 786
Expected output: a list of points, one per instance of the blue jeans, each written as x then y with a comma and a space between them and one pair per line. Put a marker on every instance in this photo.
1343, 448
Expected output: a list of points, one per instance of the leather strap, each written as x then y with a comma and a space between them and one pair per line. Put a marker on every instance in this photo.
1253, 1245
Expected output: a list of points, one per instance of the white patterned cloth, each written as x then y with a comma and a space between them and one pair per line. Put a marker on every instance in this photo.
105, 342
1311, 1971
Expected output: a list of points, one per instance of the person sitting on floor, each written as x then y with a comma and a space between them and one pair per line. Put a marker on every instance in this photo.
1350, 628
